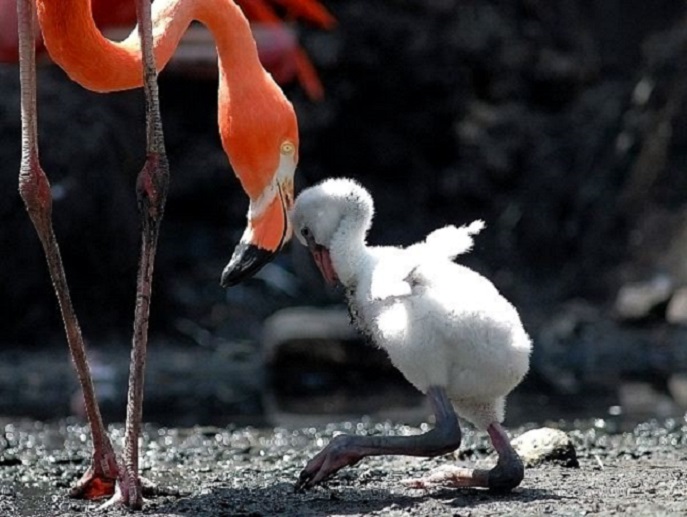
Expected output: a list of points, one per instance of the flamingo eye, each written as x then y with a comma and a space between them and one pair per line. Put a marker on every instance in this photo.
305, 232
287, 148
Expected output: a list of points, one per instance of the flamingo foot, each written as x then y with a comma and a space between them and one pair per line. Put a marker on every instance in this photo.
123, 497
344, 450
98, 481
129, 492
450, 476
92, 486
504, 477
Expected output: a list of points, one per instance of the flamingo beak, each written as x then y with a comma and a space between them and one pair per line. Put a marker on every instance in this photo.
265, 235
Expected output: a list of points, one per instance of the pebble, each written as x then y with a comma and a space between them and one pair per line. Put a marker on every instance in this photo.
546, 445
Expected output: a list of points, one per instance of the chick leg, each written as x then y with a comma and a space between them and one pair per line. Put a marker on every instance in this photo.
346, 450
505, 476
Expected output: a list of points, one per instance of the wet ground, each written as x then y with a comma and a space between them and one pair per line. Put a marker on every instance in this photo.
212, 471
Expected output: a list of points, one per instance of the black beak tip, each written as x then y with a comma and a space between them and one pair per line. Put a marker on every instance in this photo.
245, 262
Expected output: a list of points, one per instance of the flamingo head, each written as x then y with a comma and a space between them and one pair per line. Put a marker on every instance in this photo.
263, 149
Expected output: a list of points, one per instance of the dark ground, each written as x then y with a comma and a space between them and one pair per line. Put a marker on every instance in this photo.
243, 471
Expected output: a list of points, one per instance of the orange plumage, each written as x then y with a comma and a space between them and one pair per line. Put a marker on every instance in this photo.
290, 63
256, 121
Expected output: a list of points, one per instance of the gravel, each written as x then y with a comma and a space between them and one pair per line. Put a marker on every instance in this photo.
218, 471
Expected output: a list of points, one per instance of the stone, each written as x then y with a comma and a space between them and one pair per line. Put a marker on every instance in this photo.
546, 445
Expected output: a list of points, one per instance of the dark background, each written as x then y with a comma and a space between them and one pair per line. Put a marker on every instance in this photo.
560, 123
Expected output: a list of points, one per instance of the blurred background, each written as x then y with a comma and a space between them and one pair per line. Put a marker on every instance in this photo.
561, 123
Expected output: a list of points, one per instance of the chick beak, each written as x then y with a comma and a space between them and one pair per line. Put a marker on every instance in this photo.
323, 260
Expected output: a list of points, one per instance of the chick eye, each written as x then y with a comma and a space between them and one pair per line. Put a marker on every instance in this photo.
305, 232
287, 147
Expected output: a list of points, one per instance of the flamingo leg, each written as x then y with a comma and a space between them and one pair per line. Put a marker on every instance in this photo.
99, 479
151, 191
346, 450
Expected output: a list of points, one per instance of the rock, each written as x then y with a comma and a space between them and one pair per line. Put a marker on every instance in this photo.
546, 445
637, 300
676, 312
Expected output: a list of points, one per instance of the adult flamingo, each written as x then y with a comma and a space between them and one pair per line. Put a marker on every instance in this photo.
259, 133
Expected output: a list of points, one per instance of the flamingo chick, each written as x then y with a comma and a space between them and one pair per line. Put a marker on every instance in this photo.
444, 326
